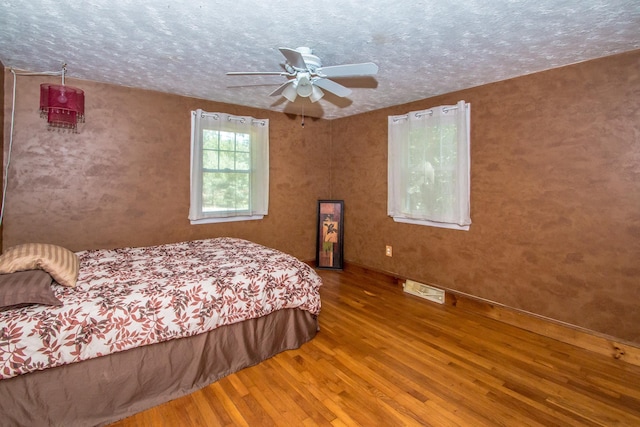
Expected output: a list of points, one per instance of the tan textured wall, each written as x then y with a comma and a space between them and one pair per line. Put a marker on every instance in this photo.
555, 197
124, 179
555, 193
2, 135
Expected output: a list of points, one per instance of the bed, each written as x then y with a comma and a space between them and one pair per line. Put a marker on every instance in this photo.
142, 326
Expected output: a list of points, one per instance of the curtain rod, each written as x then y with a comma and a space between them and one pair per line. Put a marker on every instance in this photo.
429, 112
216, 116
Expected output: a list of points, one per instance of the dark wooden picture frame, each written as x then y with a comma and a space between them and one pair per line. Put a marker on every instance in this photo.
330, 234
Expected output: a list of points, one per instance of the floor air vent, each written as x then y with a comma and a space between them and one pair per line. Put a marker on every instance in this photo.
424, 291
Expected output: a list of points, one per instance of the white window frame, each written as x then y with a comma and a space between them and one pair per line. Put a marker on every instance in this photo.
455, 213
258, 131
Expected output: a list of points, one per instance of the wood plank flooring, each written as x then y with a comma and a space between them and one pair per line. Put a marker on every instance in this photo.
385, 358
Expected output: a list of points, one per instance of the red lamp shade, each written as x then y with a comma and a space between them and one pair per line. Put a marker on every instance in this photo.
63, 106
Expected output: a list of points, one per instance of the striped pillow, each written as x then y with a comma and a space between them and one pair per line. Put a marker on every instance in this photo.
60, 263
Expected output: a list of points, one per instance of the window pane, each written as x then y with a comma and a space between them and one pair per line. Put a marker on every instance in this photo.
243, 161
227, 141
208, 191
210, 139
431, 161
242, 191
210, 159
223, 188
225, 191
227, 160
243, 142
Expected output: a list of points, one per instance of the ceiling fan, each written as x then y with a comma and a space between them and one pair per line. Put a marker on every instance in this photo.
307, 77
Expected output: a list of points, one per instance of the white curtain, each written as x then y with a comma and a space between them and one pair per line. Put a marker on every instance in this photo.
258, 129
429, 167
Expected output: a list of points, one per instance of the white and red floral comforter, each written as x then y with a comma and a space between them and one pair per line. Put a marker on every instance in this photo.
131, 297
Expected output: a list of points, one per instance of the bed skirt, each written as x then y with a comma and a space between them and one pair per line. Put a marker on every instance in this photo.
105, 389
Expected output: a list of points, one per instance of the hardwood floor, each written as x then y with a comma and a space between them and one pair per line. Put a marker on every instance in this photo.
385, 358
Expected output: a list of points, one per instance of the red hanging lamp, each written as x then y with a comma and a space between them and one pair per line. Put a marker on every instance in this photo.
62, 106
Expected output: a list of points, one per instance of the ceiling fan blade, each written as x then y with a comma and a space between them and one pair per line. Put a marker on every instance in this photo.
348, 70
258, 73
332, 87
281, 89
294, 58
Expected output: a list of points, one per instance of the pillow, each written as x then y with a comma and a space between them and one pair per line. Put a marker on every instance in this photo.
26, 288
60, 263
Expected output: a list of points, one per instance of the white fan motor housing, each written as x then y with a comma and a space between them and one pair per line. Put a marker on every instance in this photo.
310, 59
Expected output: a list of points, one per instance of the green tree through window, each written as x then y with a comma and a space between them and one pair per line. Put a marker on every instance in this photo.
429, 167
229, 168
226, 171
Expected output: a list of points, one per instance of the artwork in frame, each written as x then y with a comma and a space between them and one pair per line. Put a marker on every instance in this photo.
330, 234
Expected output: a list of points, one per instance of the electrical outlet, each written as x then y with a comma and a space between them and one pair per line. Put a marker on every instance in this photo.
388, 251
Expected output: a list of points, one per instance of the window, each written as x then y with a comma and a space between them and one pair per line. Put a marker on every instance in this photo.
229, 168
428, 171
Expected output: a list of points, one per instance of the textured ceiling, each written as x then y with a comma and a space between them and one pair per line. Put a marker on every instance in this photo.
422, 48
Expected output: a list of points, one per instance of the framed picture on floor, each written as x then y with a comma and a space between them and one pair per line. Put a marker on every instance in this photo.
330, 232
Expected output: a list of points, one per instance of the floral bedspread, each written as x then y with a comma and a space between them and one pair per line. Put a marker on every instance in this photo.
131, 297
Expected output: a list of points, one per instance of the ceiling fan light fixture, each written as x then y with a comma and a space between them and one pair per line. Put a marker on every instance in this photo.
305, 88
316, 94
307, 78
290, 92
